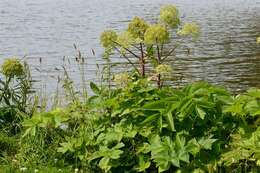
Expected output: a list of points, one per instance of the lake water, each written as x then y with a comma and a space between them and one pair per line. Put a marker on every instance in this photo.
226, 53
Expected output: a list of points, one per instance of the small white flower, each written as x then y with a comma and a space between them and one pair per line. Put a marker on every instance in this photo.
258, 163
64, 126
23, 169
76, 170
122, 79
163, 69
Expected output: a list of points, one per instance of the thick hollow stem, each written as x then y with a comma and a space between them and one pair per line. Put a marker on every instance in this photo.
159, 82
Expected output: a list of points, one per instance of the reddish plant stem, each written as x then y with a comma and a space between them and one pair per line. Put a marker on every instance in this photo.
159, 83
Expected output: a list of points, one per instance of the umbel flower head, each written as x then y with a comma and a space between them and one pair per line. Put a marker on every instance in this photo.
12, 67
169, 15
121, 79
137, 28
258, 40
190, 29
125, 39
163, 69
108, 39
156, 34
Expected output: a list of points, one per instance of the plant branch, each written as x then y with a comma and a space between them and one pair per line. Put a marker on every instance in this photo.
170, 53
145, 53
128, 50
159, 84
127, 60
142, 61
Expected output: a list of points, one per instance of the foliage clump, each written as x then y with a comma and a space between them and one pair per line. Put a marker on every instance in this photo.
139, 127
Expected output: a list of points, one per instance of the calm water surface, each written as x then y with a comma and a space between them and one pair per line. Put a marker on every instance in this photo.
226, 52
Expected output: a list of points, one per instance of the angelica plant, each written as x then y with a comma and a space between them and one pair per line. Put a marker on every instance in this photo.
15, 84
145, 42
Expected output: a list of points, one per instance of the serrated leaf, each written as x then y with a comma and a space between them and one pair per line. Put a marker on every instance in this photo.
206, 143
163, 167
175, 162
143, 163
156, 105
193, 147
104, 164
201, 112
184, 156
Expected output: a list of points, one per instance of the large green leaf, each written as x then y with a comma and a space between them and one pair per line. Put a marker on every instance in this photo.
201, 112
170, 121
143, 163
104, 164
206, 142
94, 88
156, 105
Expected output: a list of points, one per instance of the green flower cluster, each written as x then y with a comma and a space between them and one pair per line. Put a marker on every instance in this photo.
125, 39
137, 28
169, 15
156, 34
190, 29
12, 67
163, 69
122, 79
108, 39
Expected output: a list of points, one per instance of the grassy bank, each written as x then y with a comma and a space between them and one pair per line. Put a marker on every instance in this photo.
137, 128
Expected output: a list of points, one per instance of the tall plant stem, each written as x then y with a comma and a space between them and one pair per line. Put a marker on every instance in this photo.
159, 83
142, 61
139, 49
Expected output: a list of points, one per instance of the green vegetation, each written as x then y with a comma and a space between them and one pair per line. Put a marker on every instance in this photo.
135, 126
